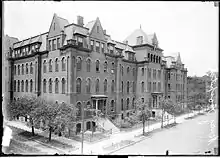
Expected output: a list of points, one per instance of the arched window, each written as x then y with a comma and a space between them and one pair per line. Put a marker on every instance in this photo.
127, 103
133, 87
31, 68
105, 66
88, 65
154, 58
15, 70
50, 65
151, 57
142, 71
56, 65
22, 86
133, 103
113, 86
22, 69
128, 87
63, 85
56, 85
159, 60
78, 85
122, 87
44, 86
18, 86
88, 86
78, 64
97, 65
113, 65
78, 107
105, 86
63, 64
148, 56
122, 106
27, 68
14, 85
112, 106
97, 86
128, 70
88, 105
142, 87
122, 70
133, 71
26, 86
18, 69
31, 86
45, 66
50, 85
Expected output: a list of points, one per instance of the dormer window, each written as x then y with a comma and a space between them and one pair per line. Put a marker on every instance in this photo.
92, 44
80, 41
111, 49
139, 40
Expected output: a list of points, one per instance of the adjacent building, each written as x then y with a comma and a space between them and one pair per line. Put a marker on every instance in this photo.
81, 64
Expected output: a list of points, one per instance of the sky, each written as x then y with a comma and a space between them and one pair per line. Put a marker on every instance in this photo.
190, 28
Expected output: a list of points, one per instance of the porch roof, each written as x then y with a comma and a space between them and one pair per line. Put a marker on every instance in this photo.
156, 92
98, 96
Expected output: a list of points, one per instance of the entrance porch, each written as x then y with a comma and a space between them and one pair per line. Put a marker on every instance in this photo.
99, 103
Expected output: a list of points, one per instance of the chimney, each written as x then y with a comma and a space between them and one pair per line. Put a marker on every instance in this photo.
104, 32
80, 20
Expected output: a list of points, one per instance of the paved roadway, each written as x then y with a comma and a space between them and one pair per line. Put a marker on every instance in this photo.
189, 137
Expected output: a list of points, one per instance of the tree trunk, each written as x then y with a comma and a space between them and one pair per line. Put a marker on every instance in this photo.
69, 131
162, 119
143, 125
92, 130
174, 119
32, 126
50, 132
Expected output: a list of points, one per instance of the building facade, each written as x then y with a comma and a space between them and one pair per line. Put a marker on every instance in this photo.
80, 64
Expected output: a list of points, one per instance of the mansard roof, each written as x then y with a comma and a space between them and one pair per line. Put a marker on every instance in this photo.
71, 29
174, 57
31, 40
150, 39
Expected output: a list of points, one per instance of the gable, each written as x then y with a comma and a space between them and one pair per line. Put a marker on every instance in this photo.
97, 31
55, 27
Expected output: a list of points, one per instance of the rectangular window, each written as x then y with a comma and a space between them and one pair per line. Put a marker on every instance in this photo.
149, 86
92, 45
58, 43
54, 45
80, 41
159, 86
168, 76
111, 49
97, 47
169, 87
102, 45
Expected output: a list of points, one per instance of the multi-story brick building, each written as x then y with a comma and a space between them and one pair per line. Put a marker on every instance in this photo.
80, 64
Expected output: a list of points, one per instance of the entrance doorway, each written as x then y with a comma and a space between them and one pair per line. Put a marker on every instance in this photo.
78, 128
88, 125
153, 114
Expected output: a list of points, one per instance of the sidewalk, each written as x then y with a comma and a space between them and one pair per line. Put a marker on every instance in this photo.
98, 148
64, 140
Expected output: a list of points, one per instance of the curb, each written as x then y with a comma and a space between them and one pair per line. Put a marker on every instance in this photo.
141, 139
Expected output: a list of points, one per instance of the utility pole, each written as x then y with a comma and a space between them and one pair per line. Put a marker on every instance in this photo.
82, 127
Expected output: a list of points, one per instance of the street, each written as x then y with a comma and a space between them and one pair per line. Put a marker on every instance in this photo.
195, 136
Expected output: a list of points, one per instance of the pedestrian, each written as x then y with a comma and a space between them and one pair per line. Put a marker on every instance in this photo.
167, 152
